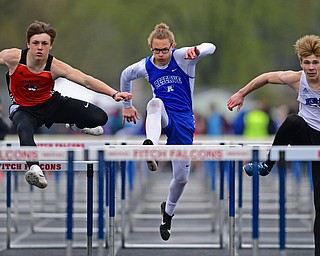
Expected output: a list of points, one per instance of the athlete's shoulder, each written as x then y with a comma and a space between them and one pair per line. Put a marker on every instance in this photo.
139, 65
10, 56
135, 70
291, 78
60, 68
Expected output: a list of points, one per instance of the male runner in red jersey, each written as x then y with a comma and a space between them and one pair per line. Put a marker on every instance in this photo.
31, 77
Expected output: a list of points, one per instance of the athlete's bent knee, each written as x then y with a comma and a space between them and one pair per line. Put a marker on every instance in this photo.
293, 120
154, 105
99, 117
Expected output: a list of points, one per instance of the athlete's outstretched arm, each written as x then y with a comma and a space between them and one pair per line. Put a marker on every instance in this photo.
61, 69
195, 52
290, 78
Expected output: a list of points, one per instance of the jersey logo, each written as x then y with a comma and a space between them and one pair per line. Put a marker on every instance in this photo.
31, 87
170, 88
313, 102
164, 80
305, 90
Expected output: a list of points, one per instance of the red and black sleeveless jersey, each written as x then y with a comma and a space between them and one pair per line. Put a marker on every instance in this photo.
27, 88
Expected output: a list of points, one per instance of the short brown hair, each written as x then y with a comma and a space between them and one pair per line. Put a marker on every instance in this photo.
161, 31
307, 45
39, 27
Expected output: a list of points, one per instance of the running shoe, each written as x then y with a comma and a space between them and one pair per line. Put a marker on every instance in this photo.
34, 176
152, 164
165, 227
263, 169
96, 131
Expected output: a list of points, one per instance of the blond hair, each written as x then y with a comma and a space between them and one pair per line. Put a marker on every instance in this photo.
307, 45
161, 31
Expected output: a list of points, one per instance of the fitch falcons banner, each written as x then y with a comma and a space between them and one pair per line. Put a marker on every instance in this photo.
23, 166
180, 152
47, 165
37, 154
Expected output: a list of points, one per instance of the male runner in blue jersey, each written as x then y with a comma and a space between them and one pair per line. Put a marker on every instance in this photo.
171, 73
298, 129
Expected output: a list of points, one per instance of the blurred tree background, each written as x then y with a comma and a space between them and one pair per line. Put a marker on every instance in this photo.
101, 37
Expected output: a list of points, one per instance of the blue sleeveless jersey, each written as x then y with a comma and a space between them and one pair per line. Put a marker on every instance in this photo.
172, 86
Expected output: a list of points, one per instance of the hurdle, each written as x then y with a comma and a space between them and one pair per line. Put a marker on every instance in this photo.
301, 217
169, 152
282, 155
115, 153
220, 244
82, 148
217, 153
11, 155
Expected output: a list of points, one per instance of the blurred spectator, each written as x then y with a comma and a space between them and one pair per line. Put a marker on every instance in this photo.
114, 121
281, 113
200, 124
258, 122
238, 123
216, 123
